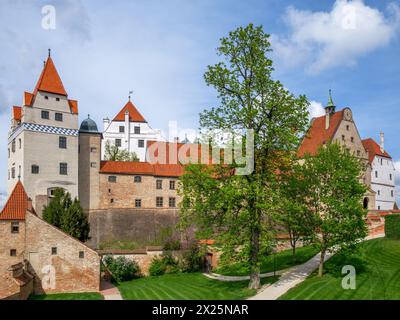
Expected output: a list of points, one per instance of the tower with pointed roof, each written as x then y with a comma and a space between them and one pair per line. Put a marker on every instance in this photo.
43, 139
130, 131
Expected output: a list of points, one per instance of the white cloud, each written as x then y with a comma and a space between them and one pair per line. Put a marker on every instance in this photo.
316, 109
322, 40
3, 199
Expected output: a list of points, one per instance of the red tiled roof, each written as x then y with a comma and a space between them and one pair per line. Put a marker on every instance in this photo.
134, 114
73, 105
16, 205
17, 113
192, 152
145, 168
49, 80
28, 98
374, 149
317, 135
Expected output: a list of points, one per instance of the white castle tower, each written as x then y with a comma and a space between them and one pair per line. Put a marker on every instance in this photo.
43, 140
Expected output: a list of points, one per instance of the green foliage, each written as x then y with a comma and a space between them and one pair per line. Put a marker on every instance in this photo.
164, 264
157, 267
392, 226
192, 259
121, 268
237, 209
67, 215
114, 153
334, 198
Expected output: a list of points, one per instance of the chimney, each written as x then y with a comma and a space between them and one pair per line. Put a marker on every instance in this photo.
329, 109
382, 142
327, 119
176, 139
106, 123
30, 206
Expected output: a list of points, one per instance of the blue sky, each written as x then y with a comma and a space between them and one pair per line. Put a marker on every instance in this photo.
160, 50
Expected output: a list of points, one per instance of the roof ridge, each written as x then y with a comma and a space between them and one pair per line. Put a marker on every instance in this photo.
49, 80
134, 114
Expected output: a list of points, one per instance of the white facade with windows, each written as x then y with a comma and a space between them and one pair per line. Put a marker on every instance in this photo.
382, 182
129, 131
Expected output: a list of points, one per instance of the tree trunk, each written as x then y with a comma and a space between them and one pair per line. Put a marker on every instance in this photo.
321, 263
294, 253
254, 266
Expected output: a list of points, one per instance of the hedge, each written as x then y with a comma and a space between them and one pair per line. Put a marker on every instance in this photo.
392, 226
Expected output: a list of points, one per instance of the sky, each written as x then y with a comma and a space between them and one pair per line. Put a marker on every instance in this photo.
160, 50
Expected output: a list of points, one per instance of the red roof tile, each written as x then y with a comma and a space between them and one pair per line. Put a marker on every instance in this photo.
144, 168
28, 98
16, 205
134, 114
17, 113
317, 135
49, 80
73, 104
374, 149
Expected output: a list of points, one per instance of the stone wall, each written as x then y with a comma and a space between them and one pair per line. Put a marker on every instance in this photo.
76, 268
140, 225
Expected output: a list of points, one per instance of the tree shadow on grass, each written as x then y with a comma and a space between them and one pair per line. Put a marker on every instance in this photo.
335, 265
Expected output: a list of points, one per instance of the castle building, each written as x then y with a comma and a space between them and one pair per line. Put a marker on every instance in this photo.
43, 140
339, 127
382, 174
36, 257
129, 131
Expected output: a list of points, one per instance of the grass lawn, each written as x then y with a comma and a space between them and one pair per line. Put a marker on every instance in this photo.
186, 286
377, 266
283, 261
69, 296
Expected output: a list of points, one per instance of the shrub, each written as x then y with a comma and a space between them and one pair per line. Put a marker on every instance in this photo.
164, 264
157, 267
122, 269
172, 244
192, 259
392, 226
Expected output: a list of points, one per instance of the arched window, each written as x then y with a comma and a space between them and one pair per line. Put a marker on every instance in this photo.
366, 200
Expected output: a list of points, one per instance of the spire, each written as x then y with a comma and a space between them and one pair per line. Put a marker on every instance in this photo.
49, 52
330, 101
49, 80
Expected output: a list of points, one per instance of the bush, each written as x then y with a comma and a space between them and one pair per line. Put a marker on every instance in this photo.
164, 264
392, 226
122, 269
192, 259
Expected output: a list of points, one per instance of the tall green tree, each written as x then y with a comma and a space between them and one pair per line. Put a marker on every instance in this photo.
67, 215
114, 153
334, 199
237, 209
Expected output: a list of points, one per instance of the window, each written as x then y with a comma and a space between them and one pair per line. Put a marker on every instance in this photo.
172, 184
379, 207
63, 168
136, 130
141, 143
390, 176
46, 97
62, 142
138, 203
376, 174
45, 115
352, 139
59, 116
35, 169
343, 138
112, 179
13, 146
121, 129
111, 200
57, 99
172, 202
81, 254
14, 227
93, 149
379, 192
19, 143
93, 164
118, 142
54, 251
358, 152
347, 127
159, 201
9, 153
392, 193
13, 172
137, 179
13, 253
381, 161
158, 184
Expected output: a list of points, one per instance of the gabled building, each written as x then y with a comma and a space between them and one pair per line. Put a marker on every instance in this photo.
339, 127
130, 131
43, 140
382, 174
36, 257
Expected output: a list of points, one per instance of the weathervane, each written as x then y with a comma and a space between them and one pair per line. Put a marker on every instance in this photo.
130, 92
